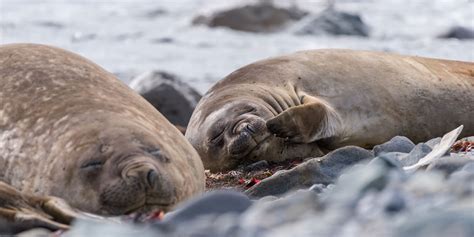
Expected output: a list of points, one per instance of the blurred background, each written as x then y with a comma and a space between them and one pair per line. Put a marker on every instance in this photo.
201, 41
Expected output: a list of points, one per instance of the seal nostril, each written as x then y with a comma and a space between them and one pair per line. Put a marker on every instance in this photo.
151, 177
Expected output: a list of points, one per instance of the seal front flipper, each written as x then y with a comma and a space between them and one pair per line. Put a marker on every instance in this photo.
26, 211
311, 121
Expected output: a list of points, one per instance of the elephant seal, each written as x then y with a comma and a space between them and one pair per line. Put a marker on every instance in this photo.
70, 129
308, 103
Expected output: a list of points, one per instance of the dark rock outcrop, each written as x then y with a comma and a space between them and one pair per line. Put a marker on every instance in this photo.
332, 22
169, 95
458, 32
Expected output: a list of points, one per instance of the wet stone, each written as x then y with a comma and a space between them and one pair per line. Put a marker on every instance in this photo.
322, 170
396, 144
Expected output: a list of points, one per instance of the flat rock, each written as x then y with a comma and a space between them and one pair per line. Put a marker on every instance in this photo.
215, 203
261, 17
314, 171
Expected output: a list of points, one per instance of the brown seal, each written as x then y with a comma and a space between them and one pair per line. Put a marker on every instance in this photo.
308, 103
70, 129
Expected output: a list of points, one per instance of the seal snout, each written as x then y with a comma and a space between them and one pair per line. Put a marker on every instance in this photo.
249, 133
145, 173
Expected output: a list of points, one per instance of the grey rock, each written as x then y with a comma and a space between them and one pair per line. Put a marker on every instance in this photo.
420, 151
334, 23
317, 188
459, 223
461, 182
256, 166
449, 164
173, 98
458, 32
261, 17
315, 171
396, 144
391, 159
288, 209
360, 179
215, 203
394, 202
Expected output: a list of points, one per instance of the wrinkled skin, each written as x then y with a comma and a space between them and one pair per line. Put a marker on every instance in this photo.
309, 103
70, 129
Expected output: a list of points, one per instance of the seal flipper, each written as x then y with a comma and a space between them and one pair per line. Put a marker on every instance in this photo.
311, 121
27, 211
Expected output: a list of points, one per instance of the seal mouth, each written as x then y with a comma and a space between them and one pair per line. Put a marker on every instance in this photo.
257, 146
149, 206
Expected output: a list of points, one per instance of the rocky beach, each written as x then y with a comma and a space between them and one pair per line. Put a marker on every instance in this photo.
172, 52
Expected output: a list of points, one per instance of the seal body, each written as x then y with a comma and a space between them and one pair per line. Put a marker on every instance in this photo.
308, 103
70, 129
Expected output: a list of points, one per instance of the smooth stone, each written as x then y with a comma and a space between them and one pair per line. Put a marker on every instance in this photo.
394, 202
175, 99
215, 202
334, 22
389, 159
437, 223
317, 188
260, 17
289, 209
356, 182
461, 182
418, 152
322, 170
449, 164
396, 144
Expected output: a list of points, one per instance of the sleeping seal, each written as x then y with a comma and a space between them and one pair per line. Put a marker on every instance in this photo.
308, 103
70, 129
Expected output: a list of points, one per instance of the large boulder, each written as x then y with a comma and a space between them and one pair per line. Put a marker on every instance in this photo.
261, 17
333, 22
169, 95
